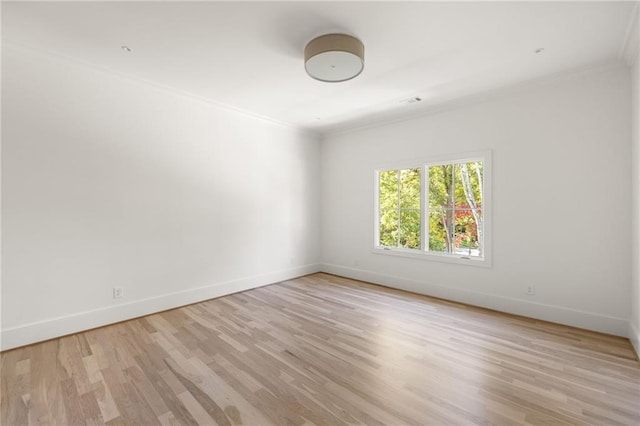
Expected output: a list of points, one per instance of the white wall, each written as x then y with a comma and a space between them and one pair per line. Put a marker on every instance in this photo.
111, 182
634, 60
561, 200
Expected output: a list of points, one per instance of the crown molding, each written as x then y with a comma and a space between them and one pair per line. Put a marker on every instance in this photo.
379, 120
162, 87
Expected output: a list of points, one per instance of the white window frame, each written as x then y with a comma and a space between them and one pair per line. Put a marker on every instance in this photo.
423, 253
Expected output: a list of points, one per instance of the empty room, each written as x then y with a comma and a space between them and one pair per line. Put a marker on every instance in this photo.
316, 212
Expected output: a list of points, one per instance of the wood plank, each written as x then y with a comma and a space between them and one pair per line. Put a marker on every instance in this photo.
328, 350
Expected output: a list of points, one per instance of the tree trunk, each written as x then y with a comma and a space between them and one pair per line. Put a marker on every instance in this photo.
471, 200
449, 216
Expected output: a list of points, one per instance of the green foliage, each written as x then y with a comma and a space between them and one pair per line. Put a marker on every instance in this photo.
455, 208
455, 201
400, 208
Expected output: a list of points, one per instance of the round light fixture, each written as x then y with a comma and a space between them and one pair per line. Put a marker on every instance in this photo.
334, 57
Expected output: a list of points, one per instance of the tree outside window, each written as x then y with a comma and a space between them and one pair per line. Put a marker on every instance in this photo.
436, 208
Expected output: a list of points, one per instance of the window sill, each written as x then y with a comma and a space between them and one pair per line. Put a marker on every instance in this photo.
428, 256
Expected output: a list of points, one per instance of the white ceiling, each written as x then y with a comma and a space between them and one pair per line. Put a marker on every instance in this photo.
249, 55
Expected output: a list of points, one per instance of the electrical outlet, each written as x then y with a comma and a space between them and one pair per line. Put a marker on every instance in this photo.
118, 292
531, 290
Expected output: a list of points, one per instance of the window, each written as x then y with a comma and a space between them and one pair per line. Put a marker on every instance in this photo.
400, 210
437, 208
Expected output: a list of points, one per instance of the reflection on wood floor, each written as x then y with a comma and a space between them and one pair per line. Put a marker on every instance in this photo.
324, 350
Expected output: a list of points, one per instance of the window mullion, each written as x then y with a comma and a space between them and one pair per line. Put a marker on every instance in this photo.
398, 211
424, 209
453, 208
378, 216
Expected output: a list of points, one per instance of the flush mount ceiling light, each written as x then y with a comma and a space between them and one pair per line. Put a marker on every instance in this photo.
334, 57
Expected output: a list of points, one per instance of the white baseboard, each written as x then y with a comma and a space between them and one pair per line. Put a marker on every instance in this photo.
552, 313
634, 336
56, 327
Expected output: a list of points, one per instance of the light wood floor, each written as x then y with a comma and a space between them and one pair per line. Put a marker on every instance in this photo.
324, 350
